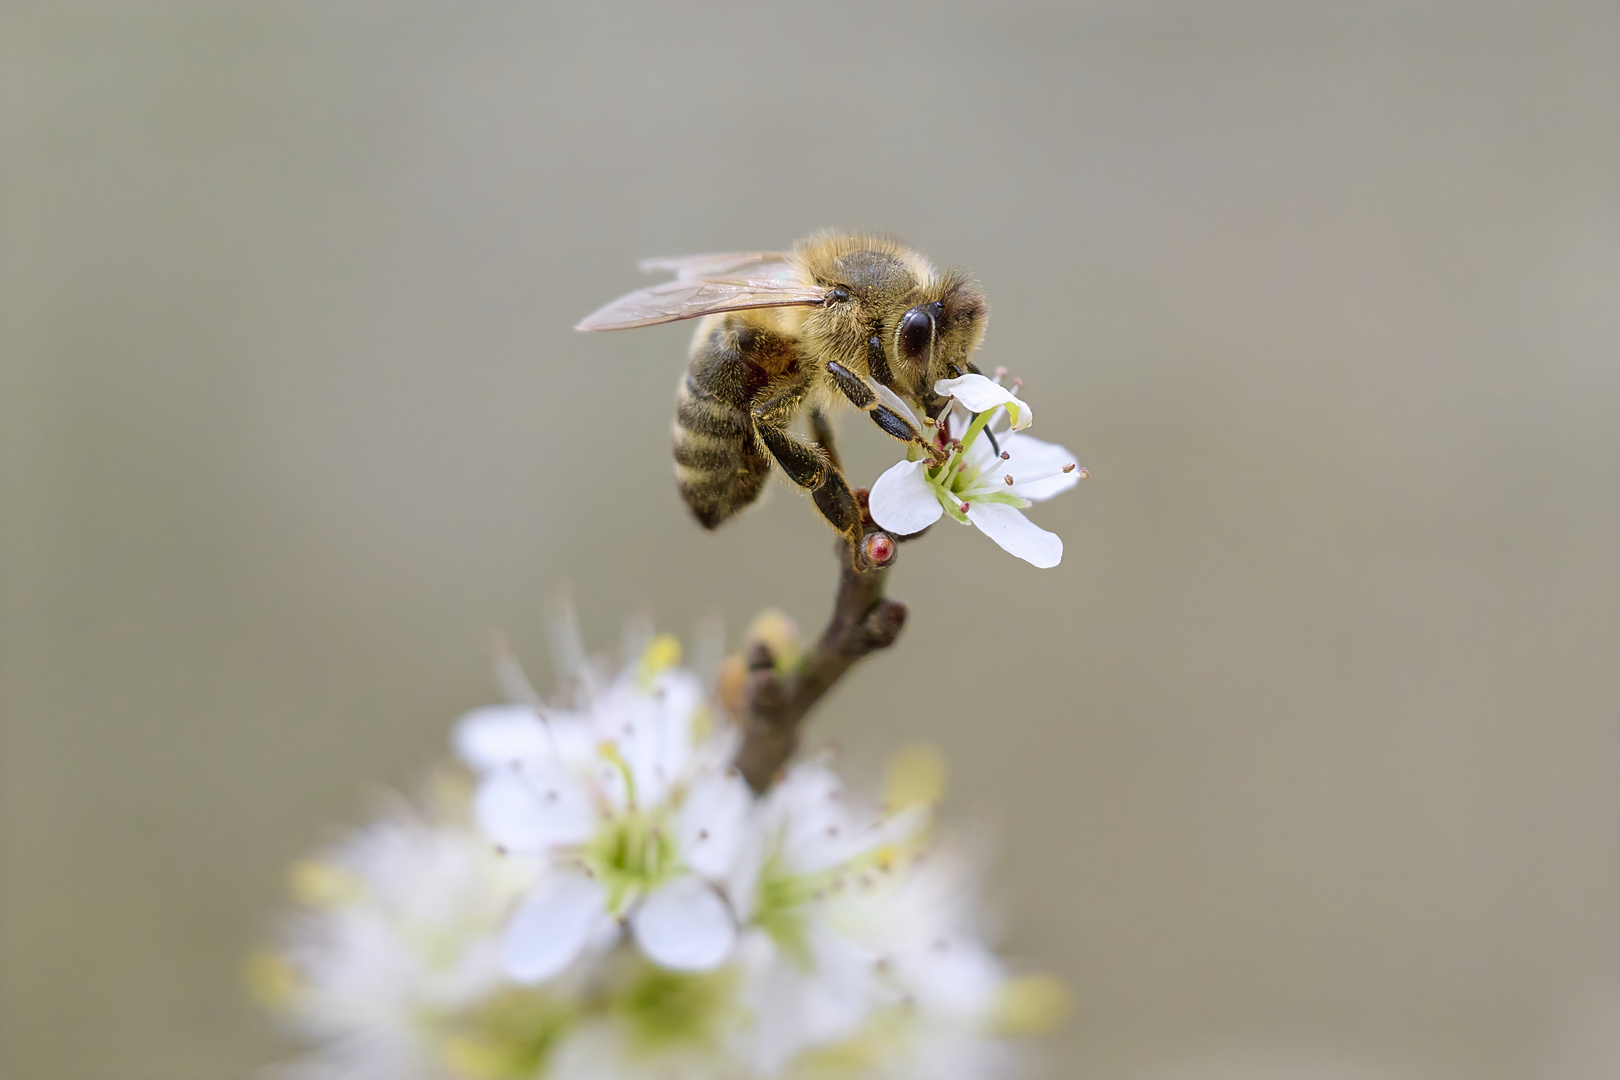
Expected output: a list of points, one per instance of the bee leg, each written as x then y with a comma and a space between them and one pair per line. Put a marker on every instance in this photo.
860, 395
808, 468
821, 431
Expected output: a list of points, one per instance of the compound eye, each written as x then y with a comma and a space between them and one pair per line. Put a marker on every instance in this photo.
916, 335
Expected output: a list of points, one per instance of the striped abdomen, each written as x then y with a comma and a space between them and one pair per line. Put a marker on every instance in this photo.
720, 465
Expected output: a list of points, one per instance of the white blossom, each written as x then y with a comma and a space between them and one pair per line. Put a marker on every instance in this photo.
809, 985
603, 898
396, 948
992, 471
630, 808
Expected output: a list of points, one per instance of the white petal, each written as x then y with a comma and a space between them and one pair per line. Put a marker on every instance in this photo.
1029, 456
498, 735
685, 925
652, 728
980, 394
549, 928
534, 809
809, 813
712, 823
902, 500
957, 419
1016, 534
895, 402
742, 881
954, 975
795, 1009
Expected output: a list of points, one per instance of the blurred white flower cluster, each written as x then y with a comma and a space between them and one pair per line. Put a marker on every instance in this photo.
596, 893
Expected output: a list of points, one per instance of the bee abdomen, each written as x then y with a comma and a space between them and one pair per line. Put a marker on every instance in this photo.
719, 466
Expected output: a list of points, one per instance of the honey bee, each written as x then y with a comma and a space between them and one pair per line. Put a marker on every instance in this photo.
842, 317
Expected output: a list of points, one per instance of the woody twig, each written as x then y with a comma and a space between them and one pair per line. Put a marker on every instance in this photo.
776, 702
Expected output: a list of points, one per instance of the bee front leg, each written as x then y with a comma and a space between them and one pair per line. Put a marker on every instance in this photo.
860, 395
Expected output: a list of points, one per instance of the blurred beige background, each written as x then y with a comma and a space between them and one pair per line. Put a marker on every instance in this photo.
1305, 763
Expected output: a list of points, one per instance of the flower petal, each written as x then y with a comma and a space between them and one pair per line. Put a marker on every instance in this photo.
796, 1008
533, 809
549, 929
894, 401
1016, 534
956, 975
712, 823
980, 394
902, 499
1029, 456
498, 735
685, 925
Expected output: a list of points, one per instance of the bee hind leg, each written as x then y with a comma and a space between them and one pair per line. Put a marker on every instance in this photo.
811, 469
821, 431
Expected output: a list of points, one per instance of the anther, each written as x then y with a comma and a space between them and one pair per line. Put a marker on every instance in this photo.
928, 421
1001, 373
963, 508
1069, 467
1084, 473
1018, 384
1006, 456
703, 834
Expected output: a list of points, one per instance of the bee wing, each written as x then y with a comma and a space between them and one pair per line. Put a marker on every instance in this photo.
769, 282
732, 263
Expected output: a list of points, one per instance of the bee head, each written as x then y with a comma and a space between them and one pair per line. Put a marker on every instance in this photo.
934, 338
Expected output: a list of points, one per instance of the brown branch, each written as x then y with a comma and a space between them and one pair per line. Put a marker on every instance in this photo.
863, 621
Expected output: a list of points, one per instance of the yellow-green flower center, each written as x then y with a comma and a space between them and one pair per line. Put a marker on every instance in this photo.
663, 1008
508, 1037
631, 855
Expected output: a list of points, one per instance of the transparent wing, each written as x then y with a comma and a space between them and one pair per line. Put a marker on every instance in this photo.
707, 284
722, 264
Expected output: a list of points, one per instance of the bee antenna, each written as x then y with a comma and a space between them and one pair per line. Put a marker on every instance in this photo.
989, 435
